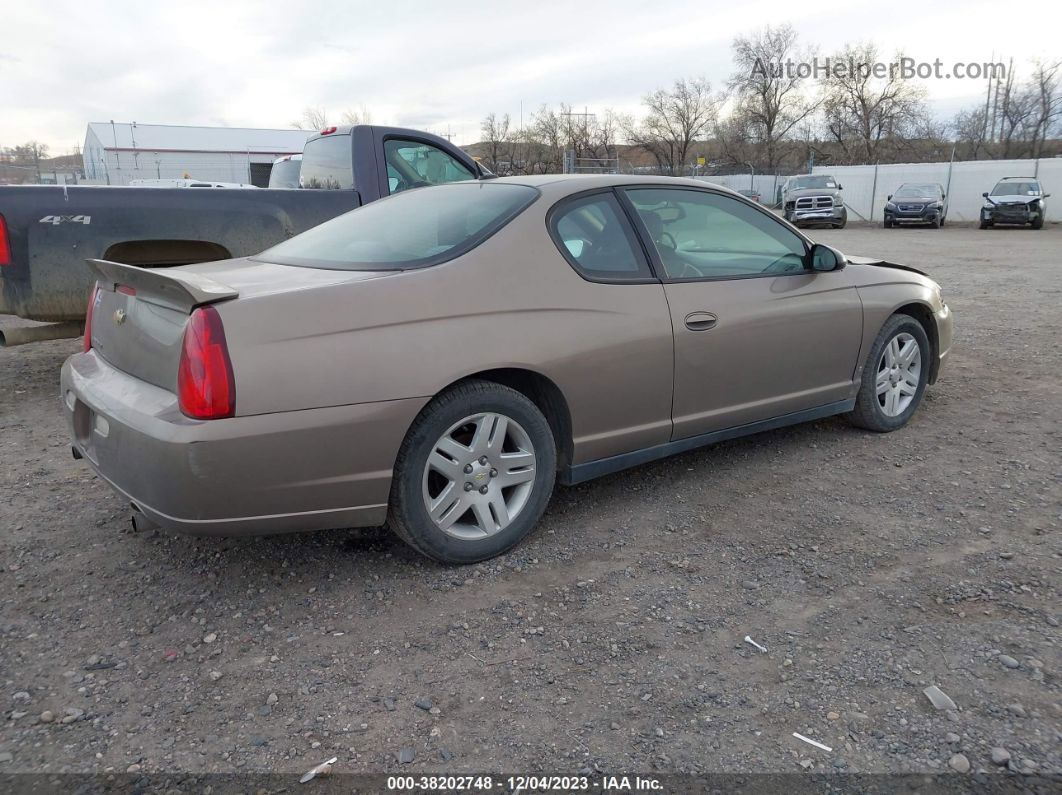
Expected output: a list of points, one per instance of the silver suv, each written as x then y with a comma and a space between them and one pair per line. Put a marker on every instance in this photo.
1015, 200
814, 199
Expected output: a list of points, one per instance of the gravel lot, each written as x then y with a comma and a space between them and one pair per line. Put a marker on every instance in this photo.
869, 567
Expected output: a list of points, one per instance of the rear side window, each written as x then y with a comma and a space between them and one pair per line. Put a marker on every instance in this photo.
413, 229
327, 163
594, 235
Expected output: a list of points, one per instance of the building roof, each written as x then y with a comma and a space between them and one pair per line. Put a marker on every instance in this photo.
177, 138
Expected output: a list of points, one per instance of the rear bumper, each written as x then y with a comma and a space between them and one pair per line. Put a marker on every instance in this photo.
270, 473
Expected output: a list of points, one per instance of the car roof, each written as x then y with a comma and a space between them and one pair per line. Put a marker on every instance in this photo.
1023, 179
573, 183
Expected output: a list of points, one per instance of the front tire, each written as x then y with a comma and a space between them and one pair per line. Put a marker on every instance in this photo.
473, 475
985, 224
1038, 222
894, 377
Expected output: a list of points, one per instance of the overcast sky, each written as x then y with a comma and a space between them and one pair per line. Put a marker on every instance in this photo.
435, 65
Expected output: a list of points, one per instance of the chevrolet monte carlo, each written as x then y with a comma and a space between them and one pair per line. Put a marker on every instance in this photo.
436, 360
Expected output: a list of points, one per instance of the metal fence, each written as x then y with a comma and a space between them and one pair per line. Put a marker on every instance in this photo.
866, 188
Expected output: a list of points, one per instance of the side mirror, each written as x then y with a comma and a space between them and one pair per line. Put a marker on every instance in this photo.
943, 195
1046, 196
888, 198
840, 186
825, 258
985, 194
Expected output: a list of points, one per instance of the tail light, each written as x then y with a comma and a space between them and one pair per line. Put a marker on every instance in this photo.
206, 389
5, 243
88, 317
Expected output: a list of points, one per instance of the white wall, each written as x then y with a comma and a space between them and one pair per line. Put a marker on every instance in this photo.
118, 168
969, 179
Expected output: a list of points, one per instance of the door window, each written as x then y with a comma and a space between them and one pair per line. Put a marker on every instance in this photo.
593, 234
703, 235
412, 164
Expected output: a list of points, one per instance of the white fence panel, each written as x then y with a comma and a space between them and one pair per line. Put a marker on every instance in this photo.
866, 196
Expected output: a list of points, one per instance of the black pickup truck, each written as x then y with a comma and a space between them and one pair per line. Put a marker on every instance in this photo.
47, 232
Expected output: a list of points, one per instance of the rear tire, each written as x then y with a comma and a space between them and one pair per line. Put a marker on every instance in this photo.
495, 503
894, 376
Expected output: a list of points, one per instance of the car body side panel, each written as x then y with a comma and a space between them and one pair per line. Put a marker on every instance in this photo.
780, 344
513, 302
884, 290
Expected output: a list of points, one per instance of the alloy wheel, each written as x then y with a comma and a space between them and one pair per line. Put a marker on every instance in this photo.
479, 476
899, 374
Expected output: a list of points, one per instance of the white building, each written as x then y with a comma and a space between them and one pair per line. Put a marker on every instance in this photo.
117, 152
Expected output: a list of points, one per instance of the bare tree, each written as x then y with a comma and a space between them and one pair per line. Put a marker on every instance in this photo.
865, 114
770, 101
1045, 103
971, 133
313, 118
498, 139
675, 118
360, 116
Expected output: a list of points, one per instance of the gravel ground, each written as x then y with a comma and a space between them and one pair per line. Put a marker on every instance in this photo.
869, 567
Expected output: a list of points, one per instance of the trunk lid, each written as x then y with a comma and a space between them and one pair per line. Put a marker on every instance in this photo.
140, 314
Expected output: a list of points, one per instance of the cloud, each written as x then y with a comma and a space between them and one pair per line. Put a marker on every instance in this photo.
423, 64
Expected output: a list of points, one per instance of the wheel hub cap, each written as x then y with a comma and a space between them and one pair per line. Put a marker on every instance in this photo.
479, 476
899, 374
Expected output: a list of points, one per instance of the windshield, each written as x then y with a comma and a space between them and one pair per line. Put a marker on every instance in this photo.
1016, 189
917, 192
412, 229
285, 173
816, 181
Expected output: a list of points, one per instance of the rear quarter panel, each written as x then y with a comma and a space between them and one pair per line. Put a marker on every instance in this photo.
512, 302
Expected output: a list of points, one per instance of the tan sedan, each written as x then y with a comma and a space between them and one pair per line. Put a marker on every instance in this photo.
438, 359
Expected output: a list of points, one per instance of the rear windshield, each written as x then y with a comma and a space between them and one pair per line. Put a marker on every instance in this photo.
327, 163
412, 229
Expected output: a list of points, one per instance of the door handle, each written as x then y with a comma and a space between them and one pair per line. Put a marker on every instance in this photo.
701, 321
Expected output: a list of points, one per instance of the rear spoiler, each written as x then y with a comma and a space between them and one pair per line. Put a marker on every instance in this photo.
173, 289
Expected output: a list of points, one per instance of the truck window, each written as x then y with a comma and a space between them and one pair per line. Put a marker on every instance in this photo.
411, 164
327, 163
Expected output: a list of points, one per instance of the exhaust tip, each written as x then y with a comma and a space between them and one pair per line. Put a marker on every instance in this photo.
139, 521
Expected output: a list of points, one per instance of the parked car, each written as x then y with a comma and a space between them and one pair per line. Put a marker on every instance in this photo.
1015, 200
917, 203
754, 195
51, 231
439, 358
815, 199
285, 172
